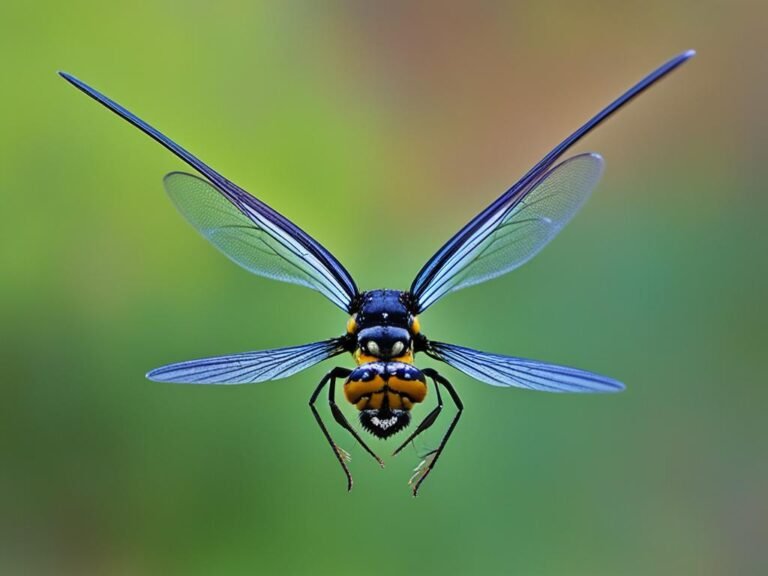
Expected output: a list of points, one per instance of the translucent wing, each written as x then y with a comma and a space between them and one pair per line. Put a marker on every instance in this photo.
451, 267
283, 251
499, 370
248, 367
239, 237
512, 235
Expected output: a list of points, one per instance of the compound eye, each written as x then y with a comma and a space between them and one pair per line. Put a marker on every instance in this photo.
397, 348
373, 348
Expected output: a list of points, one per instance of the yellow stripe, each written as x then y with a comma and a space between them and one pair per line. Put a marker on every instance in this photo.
354, 390
375, 402
352, 324
416, 390
362, 358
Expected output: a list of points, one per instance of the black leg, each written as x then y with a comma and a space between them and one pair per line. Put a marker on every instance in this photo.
428, 420
342, 420
426, 466
341, 455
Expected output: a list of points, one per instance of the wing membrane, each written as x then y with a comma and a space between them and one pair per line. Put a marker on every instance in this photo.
438, 276
513, 235
499, 370
305, 261
239, 237
248, 367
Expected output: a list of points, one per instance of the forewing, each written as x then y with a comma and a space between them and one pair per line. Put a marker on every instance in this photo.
516, 232
306, 261
436, 278
248, 367
240, 238
499, 370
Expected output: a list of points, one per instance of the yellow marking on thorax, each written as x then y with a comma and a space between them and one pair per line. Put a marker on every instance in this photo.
376, 400
354, 390
352, 324
414, 389
370, 394
394, 400
363, 358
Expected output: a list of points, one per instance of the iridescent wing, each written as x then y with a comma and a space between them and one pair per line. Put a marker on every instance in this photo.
238, 236
281, 250
518, 224
248, 367
499, 370
511, 237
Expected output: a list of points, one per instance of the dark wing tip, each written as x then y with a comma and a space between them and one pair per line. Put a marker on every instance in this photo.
79, 84
68, 77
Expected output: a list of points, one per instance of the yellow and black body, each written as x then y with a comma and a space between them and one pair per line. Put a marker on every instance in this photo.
385, 392
385, 385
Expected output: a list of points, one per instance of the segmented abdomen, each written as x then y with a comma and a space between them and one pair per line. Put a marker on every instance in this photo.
377, 385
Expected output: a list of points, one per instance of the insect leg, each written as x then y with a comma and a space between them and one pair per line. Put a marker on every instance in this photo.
428, 420
342, 420
341, 455
429, 461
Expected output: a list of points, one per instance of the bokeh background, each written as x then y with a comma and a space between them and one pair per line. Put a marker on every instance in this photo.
381, 128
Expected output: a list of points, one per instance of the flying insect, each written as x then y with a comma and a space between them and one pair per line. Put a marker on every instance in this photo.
383, 331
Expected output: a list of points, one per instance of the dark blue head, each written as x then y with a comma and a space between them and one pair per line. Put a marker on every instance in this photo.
383, 326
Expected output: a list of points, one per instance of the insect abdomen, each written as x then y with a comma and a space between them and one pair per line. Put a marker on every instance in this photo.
385, 392
385, 385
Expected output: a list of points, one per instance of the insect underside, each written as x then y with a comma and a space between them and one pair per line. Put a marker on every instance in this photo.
383, 331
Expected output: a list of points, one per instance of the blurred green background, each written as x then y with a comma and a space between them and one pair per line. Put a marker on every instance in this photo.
381, 128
